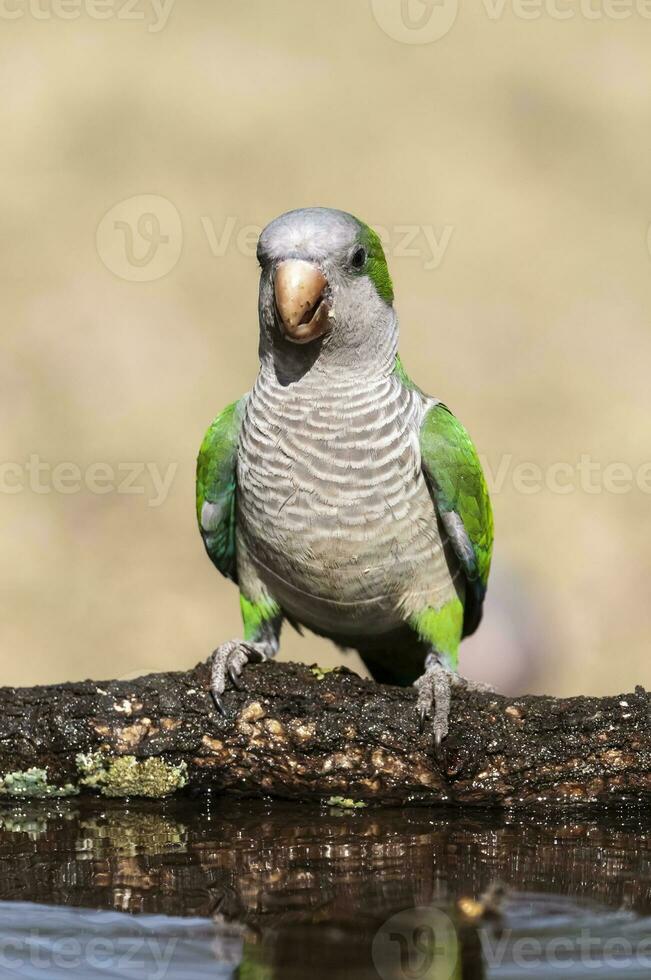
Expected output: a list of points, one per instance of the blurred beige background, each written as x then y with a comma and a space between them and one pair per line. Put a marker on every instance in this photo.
519, 147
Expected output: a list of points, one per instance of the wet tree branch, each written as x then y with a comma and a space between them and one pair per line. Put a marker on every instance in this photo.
299, 734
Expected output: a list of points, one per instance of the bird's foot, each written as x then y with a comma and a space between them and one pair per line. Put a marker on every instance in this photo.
434, 694
227, 662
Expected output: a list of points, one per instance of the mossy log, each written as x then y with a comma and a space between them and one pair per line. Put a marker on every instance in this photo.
298, 733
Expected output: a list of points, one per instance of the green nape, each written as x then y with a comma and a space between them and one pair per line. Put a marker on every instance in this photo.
401, 374
256, 614
441, 628
376, 267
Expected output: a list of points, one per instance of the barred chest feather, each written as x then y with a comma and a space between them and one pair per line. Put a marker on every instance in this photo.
334, 513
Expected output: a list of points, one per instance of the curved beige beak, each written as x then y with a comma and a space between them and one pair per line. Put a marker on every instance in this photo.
303, 312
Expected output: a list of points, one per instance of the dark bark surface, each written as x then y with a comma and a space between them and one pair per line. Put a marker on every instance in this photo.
296, 733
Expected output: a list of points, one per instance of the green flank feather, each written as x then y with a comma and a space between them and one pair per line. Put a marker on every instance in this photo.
256, 614
442, 628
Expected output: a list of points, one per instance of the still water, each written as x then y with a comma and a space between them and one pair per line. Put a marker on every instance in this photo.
261, 890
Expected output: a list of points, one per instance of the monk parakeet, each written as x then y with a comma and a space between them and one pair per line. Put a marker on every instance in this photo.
336, 494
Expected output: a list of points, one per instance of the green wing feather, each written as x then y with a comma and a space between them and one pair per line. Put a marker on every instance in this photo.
453, 470
217, 486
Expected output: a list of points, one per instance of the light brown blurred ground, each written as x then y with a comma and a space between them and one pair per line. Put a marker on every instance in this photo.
524, 143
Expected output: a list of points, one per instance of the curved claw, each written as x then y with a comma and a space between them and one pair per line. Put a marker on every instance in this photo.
422, 717
255, 656
234, 676
219, 703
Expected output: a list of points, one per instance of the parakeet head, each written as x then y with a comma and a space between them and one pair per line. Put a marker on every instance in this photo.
325, 288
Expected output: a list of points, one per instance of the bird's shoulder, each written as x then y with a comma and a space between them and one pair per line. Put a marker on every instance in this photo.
453, 469
216, 486
223, 431
217, 457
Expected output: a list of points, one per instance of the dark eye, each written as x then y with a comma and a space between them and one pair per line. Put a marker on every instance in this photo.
358, 258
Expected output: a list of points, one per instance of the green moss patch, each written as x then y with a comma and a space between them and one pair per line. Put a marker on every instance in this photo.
125, 775
33, 783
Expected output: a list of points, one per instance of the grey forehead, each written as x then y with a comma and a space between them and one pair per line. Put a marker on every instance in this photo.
309, 233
